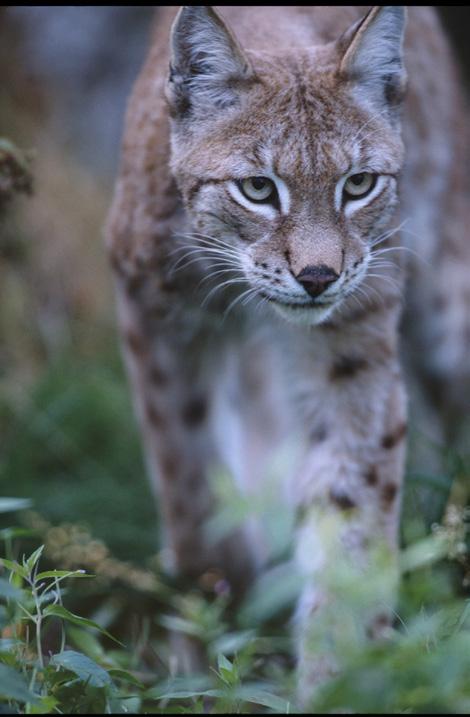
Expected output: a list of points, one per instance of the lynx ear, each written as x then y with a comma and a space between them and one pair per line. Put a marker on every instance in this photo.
373, 56
207, 64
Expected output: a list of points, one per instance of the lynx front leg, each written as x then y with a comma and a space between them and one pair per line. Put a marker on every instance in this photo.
349, 493
173, 402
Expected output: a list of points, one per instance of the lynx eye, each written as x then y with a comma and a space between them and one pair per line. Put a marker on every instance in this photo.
258, 189
359, 185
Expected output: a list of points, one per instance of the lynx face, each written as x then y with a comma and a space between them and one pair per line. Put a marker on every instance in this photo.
287, 164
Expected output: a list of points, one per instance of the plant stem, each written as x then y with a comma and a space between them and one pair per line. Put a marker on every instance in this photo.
38, 623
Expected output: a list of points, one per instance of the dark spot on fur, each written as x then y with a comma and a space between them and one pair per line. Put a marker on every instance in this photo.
264, 265
301, 513
176, 509
372, 477
378, 624
193, 190
157, 376
158, 313
341, 500
195, 411
135, 342
155, 418
244, 237
168, 285
390, 440
382, 619
389, 493
169, 463
133, 285
347, 367
319, 434
277, 271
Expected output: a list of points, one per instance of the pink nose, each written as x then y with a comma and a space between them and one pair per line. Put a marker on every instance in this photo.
315, 279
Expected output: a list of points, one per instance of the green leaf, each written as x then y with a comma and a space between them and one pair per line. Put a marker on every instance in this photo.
7, 590
258, 696
13, 686
11, 533
427, 551
125, 675
179, 688
275, 590
180, 624
33, 559
45, 706
63, 574
86, 669
223, 663
233, 642
14, 567
227, 671
64, 614
87, 642
8, 505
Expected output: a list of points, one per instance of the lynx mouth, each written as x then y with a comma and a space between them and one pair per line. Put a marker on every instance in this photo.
314, 312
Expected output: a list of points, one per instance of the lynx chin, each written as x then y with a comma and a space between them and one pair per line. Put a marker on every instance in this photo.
292, 200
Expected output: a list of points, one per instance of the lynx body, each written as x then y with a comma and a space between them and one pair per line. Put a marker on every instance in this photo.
275, 162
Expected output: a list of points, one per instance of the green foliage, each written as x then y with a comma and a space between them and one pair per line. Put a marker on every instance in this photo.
72, 447
421, 666
74, 682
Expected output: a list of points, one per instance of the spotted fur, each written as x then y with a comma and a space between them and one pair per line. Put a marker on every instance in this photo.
228, 353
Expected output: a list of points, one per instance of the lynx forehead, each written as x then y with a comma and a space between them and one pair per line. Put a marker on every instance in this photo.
272, 160
291, 159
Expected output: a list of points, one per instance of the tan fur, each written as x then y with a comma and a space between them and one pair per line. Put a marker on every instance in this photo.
218, 375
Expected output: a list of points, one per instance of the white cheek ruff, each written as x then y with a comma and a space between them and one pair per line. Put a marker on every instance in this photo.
353, 205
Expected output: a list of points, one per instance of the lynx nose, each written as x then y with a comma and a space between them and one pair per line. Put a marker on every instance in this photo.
315, 279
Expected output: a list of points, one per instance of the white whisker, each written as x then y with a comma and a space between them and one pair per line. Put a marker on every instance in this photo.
236, 300
391, 281
214, 289
215, 273
400, 248
386, 235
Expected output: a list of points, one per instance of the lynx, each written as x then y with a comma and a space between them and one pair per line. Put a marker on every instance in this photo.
288, 175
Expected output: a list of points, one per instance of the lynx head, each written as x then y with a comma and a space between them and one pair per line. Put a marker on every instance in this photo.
287, 162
